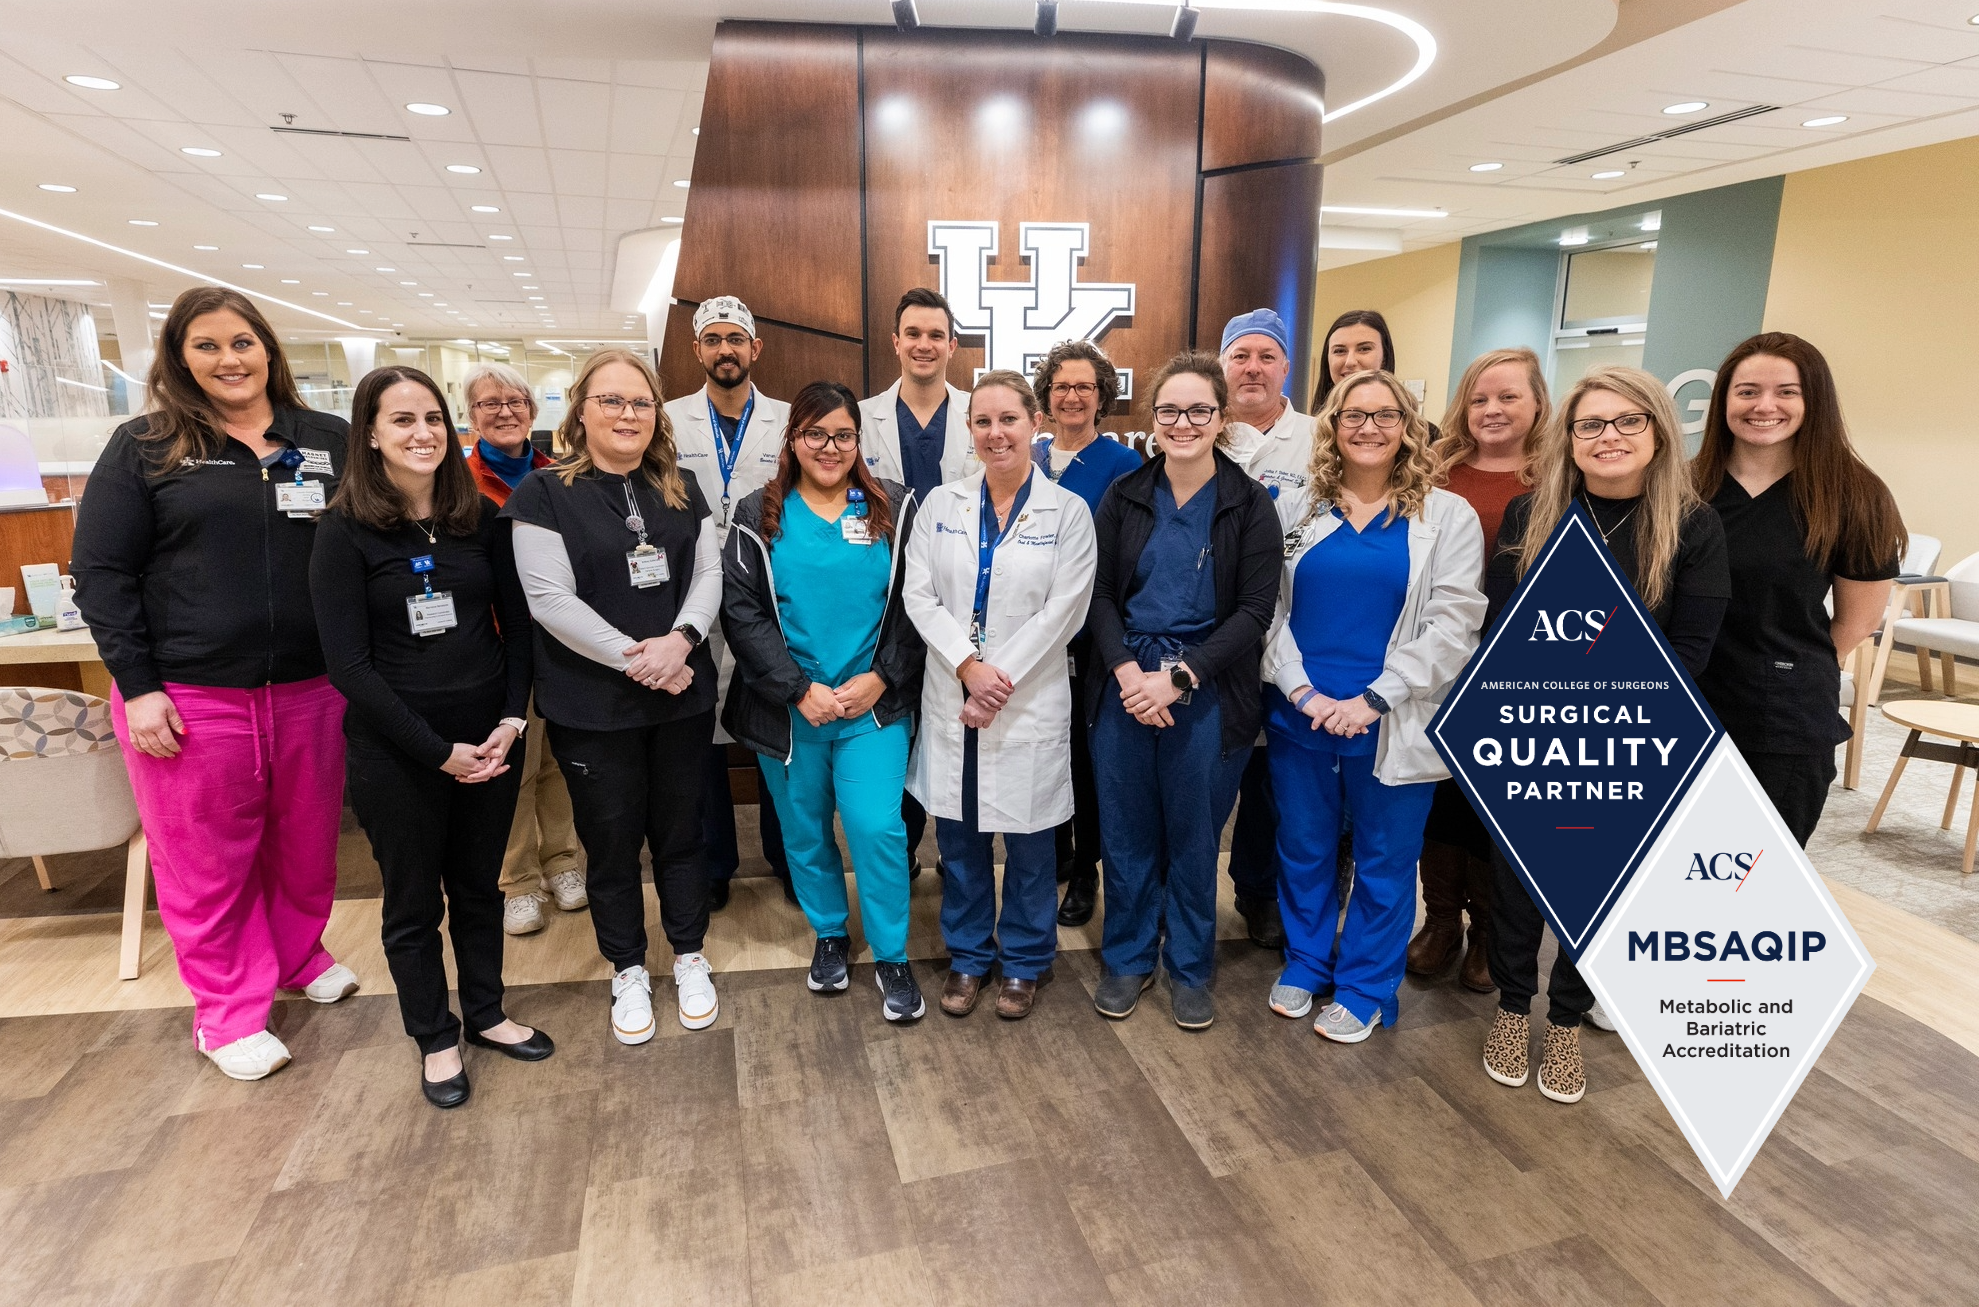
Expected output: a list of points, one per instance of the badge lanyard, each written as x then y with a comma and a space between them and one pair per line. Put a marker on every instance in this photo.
725, 455
986, 544
856, 526
646, 565
429, 613
300, 498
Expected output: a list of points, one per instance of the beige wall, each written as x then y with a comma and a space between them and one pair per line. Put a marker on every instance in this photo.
1417, 293
1877, 263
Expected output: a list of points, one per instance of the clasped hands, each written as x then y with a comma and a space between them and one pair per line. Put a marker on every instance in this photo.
470, 764
1147, 695
988, 690
660, 663
1343, 717
821, 703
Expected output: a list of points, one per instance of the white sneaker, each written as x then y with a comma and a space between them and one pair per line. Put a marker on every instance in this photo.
632, 1006
257, 1056
567, 887
1600, 1018
338, 982
695, 978
523, 914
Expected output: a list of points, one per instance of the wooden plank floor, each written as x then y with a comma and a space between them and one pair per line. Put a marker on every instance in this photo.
803, 1151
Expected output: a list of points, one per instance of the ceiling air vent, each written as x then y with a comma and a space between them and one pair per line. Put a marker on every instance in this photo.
1736, 115
353, 136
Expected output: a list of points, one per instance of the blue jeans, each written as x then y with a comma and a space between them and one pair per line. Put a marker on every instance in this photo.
859, 776
1164, 794
1025, 937
1316, 789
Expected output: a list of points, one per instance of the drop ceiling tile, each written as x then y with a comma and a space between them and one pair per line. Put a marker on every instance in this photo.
636, 177
685, 75
530, 209
520, 168
1895, 104
1739, 87
1960, 80
348, 98
578, 173
501, 108
516, 66
574, 113
644, 121
1845, 67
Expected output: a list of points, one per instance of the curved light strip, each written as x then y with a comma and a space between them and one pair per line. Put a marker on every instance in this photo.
1425, 42
173, 267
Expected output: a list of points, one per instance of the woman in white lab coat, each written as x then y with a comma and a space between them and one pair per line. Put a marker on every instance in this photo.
999, 574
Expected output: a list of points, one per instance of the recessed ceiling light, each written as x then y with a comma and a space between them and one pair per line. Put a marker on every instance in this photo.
535, 297
408, 283
439, 304
357, 251
92, 83
270, 195
1609, 174
1688, 106
384, 270
256, 266
1355, 209
143, 222
206, 247
343, 304
199, 152
502, 238
426, 294
683, 184
484, 208
1486, 167
1974, 20
315, 228
522, 274
319, 292
58, 188
292, 281
466, 169
697, 131
1828, 121
429, 110
532, 288
511, 258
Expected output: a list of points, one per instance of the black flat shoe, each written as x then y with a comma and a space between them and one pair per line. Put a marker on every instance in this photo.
1080, 893
717, 895
445, 1093
533, 1049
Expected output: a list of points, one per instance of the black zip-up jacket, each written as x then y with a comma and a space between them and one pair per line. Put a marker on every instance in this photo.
768, 683
195, 576
1248, 551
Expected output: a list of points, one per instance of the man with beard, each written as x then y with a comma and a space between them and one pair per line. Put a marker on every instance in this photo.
728, 435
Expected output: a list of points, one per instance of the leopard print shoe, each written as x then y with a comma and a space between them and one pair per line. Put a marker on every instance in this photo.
1507, 1049
1562, 1075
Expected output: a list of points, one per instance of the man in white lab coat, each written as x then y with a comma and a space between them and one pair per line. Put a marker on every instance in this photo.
728, 435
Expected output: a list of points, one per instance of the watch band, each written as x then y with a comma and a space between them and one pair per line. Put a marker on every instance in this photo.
693, 634
1375, 701
519, 724
1178, 676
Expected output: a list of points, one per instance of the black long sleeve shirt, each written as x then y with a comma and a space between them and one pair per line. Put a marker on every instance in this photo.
422, 693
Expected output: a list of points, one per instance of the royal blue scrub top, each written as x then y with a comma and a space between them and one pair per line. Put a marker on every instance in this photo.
1346, 598
831, 595
1173, 603
1091, 470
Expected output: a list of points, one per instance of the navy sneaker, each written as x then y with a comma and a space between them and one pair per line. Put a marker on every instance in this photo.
828, 964
903, 1000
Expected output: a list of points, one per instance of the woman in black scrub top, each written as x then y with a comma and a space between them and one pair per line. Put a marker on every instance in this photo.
1803, 515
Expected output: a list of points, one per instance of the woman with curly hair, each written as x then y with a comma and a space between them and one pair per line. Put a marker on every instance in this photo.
1378, 610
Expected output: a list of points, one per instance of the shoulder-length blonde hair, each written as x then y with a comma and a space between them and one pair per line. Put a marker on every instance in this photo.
1459, 442
660, 463
1667, 494
1409, 480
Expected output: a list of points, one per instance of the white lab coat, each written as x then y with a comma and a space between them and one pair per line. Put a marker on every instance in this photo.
879, 437
1039, 592
1280, 459
755, 464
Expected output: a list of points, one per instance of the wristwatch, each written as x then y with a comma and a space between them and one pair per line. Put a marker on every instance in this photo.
694, 637
1178, 676
1375, 702
517, 724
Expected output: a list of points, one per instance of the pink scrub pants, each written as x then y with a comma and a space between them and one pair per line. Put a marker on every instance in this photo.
243, 832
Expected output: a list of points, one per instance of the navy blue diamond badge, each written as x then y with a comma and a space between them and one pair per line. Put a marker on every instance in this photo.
1574, 731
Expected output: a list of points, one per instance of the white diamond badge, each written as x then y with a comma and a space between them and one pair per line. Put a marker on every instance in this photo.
1726, 966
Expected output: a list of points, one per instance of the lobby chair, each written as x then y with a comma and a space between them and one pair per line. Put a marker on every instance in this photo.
1947, 633
1914, 585
64, 789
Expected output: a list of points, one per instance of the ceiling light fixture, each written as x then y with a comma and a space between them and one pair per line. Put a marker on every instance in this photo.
1486, 167
271, 196
58, 188
208, 248
92, 83
315, 228
511, 258
1688, 106
1046, 23
199, 152
483, 208
683, 184
1382, 213
1828, 121
143, 222
501, 238
1183, 26
256, 266
673, 220
408, 283
466, 169
292, 281
1574, 236
357, 251
1608, 175
429, 110
905, 16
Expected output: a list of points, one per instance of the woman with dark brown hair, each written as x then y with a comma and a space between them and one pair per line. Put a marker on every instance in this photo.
192, 566
1804, 516
427, 635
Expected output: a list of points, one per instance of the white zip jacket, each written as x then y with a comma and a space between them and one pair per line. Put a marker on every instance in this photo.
1278, 459
1432, 640
879, 437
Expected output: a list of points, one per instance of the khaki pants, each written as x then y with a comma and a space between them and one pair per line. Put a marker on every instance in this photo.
542, 842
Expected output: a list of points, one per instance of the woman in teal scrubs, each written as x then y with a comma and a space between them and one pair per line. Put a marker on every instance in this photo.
828, 676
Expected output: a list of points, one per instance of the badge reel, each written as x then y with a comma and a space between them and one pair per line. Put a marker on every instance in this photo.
298, 498
856, 526
646, 565
432, 612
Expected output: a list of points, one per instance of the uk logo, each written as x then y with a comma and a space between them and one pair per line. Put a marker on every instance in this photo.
1020, 321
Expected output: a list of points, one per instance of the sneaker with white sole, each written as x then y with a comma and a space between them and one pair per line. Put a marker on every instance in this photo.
901, 999
567, 888
695, 980
523, 914
1600, 1018
253, 1058
1343, 1027
632, 1006
1562, 1074
1289, 1000
338, 982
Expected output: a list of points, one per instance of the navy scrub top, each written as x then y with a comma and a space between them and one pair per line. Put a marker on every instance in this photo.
1173, 604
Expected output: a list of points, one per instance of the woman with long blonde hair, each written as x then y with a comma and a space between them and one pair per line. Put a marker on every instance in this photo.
1615, 447
1378, 611
618, 556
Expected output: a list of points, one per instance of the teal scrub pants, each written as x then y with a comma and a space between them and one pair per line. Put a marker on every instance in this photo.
861, 777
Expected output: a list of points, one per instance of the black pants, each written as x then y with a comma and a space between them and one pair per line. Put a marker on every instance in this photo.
1078, 839
632, 788
1797, 783
439, 847
719, 848
1513, 948
1254, 839
916, 819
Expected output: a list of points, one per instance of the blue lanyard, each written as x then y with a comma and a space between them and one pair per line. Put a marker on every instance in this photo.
726, 454
422, 567
291, 458
986, 544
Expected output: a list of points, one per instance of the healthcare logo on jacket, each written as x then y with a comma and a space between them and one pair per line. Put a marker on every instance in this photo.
1574, 731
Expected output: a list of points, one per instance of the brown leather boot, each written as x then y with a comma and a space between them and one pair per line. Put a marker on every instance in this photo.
1015, 998
1476, 973
1435, 945
960, 992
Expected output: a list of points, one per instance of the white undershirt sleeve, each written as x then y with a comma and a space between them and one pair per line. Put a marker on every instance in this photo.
703, 603
551, 586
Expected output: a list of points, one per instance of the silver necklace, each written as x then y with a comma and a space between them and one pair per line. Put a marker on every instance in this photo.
1608, 533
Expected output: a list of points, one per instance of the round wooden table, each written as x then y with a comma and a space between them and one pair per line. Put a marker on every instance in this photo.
1955, 721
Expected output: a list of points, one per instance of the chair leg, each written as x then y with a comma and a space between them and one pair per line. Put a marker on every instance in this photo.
1884, 644
1890, 787
1950, 663
1923, 669
41, 872
1971, 831
137, 867
1858, 712
1951, 799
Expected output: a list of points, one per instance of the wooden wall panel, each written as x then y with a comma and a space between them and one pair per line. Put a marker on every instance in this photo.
773, 214
1260, 249
1260, 105
792, 359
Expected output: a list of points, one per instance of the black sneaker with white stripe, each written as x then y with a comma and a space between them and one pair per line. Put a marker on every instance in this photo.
903, 997
829, 964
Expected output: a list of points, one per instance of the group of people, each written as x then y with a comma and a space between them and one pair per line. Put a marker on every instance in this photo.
964, 604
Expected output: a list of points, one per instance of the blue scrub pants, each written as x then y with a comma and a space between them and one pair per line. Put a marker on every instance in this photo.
1025, 937
859, 776
1316, 789
1164, 794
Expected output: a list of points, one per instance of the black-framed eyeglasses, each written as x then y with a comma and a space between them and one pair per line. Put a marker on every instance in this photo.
1384, 419
493, 406
1083, 389
1198, 415
816, 438
734, 340
1625, 424
613, 405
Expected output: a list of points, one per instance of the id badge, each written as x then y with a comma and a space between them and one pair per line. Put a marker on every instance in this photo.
431, 614
856, 530
299, 499
1168, 665
647, 566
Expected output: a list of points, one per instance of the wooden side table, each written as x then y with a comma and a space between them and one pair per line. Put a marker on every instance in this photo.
1955, 721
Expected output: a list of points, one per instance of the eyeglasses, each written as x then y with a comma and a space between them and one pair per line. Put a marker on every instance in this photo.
613, 405
1625, 424
493, 406
1384, 419
1198, 415
734, 340
815, 438
1083, 389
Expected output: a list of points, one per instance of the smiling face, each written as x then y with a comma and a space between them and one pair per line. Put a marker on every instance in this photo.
1371, 446
1765, 404
500, 415
1192, 438
1073, 407
923, 344
618, 442
827, 468
726, 353
1256, 368
227, 359
1502, 409
410, 432
1002, 429
1613, 463
1353, 349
